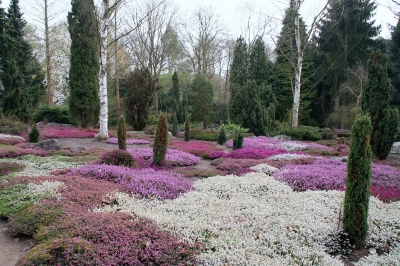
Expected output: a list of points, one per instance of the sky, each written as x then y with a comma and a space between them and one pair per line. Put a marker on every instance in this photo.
229, 11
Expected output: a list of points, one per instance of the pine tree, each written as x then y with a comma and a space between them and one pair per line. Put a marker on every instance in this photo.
238, 69
139, 97
259, 65
375, 101
160, 142
345, 39
84, 102
356, 201
121, 132
201, 99
394, 64
21, 74
175, 91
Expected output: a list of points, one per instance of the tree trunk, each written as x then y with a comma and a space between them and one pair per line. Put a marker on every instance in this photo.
50, 97
103, 134
116, 68
299, 66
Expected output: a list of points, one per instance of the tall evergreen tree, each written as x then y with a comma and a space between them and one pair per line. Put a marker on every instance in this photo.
238, 70
21, 74
375, 101
84, 103
259, 68
177, 104
345, 37
394, 64
358, 180
284, 72
140, 86
201, 99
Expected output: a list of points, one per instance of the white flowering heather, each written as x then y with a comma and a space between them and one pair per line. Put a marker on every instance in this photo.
264, 168
248, 220
288, 156
392, 259
293, 146
46, 188
395, 148
10, 136
340, 158
40, 166
282, 137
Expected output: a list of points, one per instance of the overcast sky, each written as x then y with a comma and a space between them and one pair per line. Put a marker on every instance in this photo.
229, 10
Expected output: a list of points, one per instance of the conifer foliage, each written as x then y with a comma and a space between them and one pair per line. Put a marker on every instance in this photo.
160, 142
356, 201
139, 97
21, 75
202, 99
187, 129
375, 101
34, 134
174, 125
84, 102
121, 132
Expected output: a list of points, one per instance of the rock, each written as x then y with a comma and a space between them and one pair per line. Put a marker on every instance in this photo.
50, 144
372, 251
79, 148
170, 136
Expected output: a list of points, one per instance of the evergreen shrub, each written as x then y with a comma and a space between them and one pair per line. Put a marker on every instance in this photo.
118, 157
34, 134
299, 133
55, 114
187, 130
238, 139
358, 180
8, 126
160, 142
121, 132
174, 125
204, 134
222, 135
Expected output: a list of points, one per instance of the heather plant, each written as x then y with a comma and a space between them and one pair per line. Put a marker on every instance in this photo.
52, 132
252, 153
128, 141
121, 132
222, 135
118, 157
174, 125
358, 179
160, 142
11, 139
173, 157
7, 151
7, 168
187, 129
204, 134
13, 127
198, 148
34, 134
144, 183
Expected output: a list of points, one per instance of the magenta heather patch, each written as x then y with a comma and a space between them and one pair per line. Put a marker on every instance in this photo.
386, 194
145, 183
216, 154
128, 141
65, 132
198, 148
7, 151
253, 153
173, 157
260, 142
385, 176
11, 141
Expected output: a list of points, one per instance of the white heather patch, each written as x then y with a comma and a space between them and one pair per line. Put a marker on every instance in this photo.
46, 188
10, 136
248, 220
40, 166
264, 168
288, 156
292, 146
392, 259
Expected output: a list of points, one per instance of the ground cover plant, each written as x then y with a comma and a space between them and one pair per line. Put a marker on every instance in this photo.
198, 148
53, 132
230, 212
128, 141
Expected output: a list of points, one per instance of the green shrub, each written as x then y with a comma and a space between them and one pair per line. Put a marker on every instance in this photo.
30, 219
238, 139
8, 126
358, 179
299, 133
204, 134
55, 114
8, 168
14, 199
121, 132
160, 142
222, 135
34, 134
174, 125
187, 130
118, 157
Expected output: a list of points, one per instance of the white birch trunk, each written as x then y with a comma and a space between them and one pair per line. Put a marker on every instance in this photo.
299, 66
103, 134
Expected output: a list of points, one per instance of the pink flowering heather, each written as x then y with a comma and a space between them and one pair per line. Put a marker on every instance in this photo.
66, 132
7, 151
254, 153
145, 183
11, 141
385, 176
173, 157
260, 142
386, 194
198, 148
316, 146
128, 141
217, 154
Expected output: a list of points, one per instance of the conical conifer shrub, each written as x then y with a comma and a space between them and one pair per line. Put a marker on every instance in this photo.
160, 142
121, 133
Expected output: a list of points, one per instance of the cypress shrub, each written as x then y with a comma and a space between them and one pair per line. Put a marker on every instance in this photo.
174, 125
160, 142
34, 135
187, 130
356, 201
238, 139
222, 135
121, 133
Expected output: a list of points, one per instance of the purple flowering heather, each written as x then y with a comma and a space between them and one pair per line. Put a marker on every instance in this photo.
253, 153
128, 141
144, 183
260, 142
173, 157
